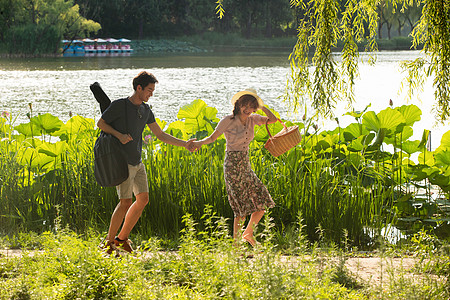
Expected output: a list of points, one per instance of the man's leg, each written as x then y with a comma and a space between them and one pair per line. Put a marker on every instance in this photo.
117, 217
133, 214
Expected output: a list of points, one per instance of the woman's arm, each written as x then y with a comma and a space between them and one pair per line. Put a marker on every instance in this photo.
270, 115
220, 128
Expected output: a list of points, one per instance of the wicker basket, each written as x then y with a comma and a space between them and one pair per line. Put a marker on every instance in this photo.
284, 140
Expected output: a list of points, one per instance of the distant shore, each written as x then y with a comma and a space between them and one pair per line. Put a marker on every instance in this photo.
225, 43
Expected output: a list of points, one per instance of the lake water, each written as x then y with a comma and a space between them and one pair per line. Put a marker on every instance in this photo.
61, 85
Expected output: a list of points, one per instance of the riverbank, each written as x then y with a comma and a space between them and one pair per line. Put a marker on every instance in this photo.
64, 265
236, 43
220, 43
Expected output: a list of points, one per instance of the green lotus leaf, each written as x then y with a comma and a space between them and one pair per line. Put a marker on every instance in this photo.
210, 113
445, 142
52, 149
411, 113
371, 122
439, 179
357, 114
410, 147
399, 137
354, 131
180, 125
47, 122
425, 136
426, 158
77, 124
390, 119
356, 145
192, 110
28, 129
442, 158
31, 157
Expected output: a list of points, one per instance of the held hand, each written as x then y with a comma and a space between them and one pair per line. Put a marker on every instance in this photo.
190, 145
125, 138
197, 144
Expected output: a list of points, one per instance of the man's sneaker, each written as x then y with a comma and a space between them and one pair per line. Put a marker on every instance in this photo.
107, 246
123, 245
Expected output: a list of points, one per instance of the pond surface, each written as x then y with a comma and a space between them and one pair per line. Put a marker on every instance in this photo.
61, 85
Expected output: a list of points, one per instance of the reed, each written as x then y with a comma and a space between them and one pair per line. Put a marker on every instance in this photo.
341, 181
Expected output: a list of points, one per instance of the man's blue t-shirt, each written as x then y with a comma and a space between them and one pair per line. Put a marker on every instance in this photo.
136, 119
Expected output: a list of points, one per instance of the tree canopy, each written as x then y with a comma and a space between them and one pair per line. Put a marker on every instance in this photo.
321, 76
37, 26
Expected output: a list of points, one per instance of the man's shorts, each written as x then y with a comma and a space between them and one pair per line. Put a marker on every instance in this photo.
136, 183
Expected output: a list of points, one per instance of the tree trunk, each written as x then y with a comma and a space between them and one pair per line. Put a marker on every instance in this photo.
268, 21
248, 31
141, 29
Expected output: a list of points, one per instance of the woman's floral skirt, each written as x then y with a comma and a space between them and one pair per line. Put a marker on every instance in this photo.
246, 193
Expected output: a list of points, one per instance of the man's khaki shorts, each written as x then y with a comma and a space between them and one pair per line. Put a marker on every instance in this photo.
136, 183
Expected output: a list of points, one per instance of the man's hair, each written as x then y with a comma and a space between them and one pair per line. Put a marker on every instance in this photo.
143, 79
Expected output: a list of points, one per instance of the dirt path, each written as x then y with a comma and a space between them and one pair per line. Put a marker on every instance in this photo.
366, 270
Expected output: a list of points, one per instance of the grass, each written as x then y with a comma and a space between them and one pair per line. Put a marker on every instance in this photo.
205, 265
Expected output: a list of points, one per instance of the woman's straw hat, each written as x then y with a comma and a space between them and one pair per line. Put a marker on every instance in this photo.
251, 92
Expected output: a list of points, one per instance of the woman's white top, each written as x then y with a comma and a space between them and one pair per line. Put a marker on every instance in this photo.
238, 135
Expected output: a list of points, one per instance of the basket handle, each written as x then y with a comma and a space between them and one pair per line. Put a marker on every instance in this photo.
267, 127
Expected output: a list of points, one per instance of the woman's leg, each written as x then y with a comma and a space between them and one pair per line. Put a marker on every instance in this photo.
237, 227
248, 232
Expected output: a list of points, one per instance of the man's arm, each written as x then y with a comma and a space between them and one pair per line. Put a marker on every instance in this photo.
167, 138
123, 138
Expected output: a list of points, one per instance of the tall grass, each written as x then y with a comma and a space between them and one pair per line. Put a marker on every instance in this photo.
206, 265
341, 182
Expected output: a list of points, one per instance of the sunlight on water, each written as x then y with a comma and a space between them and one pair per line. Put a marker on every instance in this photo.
61, 85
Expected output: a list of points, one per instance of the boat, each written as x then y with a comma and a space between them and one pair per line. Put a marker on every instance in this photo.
96, 47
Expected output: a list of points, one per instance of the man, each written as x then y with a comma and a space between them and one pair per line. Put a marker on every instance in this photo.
126, 119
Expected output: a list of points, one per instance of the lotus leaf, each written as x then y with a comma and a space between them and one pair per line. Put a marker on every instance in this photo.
192, 110
410, 147
51, 149
389, 119
399, 137
426, 158
442, 158
354, 131
28, 129
425, 136
411, 113
47, 122
357, 114
445, 141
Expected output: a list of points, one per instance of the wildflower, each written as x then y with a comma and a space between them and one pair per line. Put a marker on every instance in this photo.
304, 117
315, 127
147, 139
30, 105
70, 114
5, 114
337, 120
391, 102
28, 115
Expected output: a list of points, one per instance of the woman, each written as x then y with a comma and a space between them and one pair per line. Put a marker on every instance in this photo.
246, 194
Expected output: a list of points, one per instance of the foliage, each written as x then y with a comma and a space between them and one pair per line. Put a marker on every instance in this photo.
33, 39
322, 24
342, 180
205, 265
38, 26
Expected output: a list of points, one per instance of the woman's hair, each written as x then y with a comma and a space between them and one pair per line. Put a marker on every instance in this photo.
244, 100
143, 79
